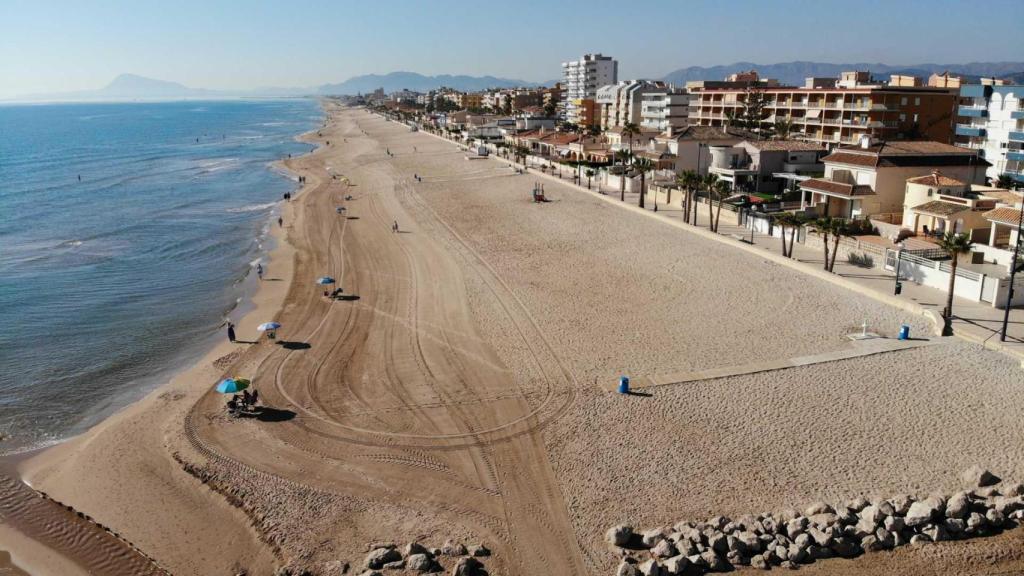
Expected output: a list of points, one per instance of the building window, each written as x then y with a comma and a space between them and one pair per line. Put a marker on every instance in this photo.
930, 192
903, 117
917, 101
903, 101
915, 118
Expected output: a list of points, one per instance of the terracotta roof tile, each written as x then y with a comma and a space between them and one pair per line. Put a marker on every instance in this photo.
790, 145
834, 188
936, 179
1004, 215
940, 208
907, 153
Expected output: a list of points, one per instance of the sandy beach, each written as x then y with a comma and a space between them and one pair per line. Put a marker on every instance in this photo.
461, 388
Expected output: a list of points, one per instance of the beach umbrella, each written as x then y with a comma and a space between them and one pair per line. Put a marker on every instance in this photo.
268, 326
232, 385
325, 280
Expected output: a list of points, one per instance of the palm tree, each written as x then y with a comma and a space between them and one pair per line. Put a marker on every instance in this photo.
590, 174
824, 226
783, 128
953, 244
721, 190
688, 180
840, 228
785, 220
623, 157
644, 165
1004, 181
521, 152
629, 130
708, 184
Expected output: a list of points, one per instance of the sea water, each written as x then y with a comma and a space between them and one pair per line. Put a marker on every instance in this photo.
127, 232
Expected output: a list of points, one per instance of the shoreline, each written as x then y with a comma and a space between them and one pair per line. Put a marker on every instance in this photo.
34, 466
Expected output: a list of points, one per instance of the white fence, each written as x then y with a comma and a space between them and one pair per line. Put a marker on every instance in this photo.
935, 274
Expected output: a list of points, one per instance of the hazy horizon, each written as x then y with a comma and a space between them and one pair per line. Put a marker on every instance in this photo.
53, 47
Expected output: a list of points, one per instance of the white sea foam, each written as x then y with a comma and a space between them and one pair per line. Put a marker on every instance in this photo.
216, 164
252, 208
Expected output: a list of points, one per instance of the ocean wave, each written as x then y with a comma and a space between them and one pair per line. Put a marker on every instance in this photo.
217, 164
252, 208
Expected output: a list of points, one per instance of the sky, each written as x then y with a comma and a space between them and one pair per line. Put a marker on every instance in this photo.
55, 46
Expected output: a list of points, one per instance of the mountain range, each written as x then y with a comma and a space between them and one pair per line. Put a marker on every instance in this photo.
132, 86
794, 73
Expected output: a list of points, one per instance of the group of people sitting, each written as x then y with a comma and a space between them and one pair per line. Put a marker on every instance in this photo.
243, 403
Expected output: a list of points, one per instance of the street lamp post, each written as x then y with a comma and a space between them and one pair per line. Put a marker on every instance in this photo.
1013, 272
899, 260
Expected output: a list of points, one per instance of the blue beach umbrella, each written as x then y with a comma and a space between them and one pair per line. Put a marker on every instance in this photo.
268, 326
232, 385
325, 280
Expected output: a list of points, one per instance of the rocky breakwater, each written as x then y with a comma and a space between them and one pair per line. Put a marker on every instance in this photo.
789, 538
416, 558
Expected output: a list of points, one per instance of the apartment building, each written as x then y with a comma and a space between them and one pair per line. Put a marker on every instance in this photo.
619, 104
664, 110
854, 106
766, 165
992, 122
581, 79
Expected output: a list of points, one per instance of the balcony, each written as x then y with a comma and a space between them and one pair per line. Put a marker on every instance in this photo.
973, 131
972, 111
1016, 136
1016, 155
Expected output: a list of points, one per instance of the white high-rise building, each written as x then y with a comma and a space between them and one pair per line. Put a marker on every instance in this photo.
582, 78
992, 120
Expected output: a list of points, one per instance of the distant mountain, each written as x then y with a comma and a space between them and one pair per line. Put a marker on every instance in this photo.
417, 82
794, 73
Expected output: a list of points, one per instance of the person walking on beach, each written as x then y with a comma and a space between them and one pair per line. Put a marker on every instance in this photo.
280, 222
231, 332
259, 271
394, 227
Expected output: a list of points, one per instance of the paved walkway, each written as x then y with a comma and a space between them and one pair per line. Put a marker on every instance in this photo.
974, 321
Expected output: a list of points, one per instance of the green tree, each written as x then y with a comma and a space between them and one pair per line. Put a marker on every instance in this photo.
824, 226
1005, 181
629, 130
783, 129
689, 181
755, 110
590, 174
550, 109
707, 183
721, 190
786, 221
953, 244
644, 165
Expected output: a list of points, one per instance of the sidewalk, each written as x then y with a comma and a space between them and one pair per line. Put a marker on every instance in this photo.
973, 321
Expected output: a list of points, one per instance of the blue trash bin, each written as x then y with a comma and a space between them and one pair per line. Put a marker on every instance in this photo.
623, 384
904, 332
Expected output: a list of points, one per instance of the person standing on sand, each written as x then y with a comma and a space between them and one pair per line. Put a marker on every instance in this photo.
280, 222
259, 271
231, 332
394, 227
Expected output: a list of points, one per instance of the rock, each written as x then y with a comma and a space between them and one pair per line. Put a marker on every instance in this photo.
919, 513
479, 551
788, 565
797, 554
818, 508
886, 508
719, 542
676, 565
371, 573
819, 553
396, 565
664, 549
919, 540
975, 522
649, 568
381, 556
820, 538
796, 526
857, 504
872, 513
894, 523
823, 520
986, 491
958, 506
468, 566
1014, 489
627, 569
420, 562
995, 517
845, 547
864, 527
781, 552
901, 504
803, 541
714, 562
1007, 505
414, 548
651, 537
686, 547
976, 477
619, 535
451, 548
955, 525
847, 516
751, 543
759, 562
788, 514
737, 558
885, 538
718, 522
870, 544
935, 532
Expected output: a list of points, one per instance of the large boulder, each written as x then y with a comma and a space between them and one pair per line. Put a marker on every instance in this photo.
920, 513
976, 477
935, 532
858, 503
758, 562
664, 549
649, 568
415, 548
818, 508
676, 565
468, 566
719, 542
845, 547
627, 569
419, 562
651, 538
958, 505
619, 535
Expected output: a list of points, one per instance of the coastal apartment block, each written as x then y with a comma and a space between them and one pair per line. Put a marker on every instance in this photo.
840, 112
581, 79
664, 110
991, 121
620, 104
